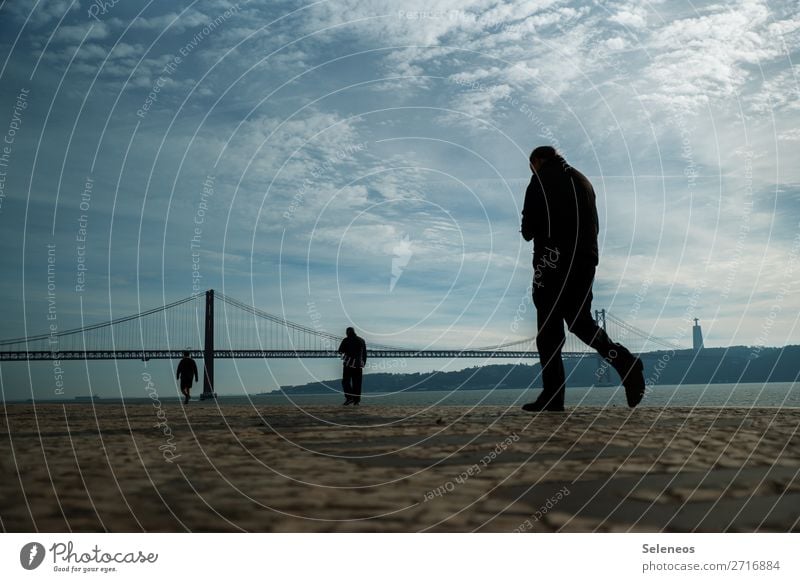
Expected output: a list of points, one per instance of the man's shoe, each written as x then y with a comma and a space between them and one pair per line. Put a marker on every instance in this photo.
543, 405
347, 401
633, 380
356, 402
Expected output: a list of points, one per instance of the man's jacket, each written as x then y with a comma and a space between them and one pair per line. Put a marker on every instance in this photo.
187, 369
354, 352
560, 214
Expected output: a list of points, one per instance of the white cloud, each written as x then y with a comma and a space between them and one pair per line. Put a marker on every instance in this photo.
631, 16
778, 91
74, 33
173, 21
701, 60
43, 13
615, 43
790, 134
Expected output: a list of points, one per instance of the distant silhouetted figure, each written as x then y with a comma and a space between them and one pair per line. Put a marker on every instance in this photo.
560, 216
187, 369
354, 355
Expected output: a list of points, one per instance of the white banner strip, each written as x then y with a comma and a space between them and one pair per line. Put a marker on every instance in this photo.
399, 557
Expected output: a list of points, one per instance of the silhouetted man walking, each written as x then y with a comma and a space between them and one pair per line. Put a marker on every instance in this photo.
560, 216
353, 350
187, 369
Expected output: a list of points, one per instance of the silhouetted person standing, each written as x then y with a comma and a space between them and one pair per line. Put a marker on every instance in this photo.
354, 355
560, 216
187, 369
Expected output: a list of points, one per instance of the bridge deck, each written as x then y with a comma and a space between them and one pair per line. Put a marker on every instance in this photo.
261, 354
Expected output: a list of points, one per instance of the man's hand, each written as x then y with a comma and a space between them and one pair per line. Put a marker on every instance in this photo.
527, 235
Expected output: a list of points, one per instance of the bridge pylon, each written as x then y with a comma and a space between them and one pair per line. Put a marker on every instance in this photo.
601, 374
208, 349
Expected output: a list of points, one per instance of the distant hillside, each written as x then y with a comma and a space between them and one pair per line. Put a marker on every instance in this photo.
711, 365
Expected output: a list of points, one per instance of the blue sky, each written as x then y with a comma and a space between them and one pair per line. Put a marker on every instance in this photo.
370, 158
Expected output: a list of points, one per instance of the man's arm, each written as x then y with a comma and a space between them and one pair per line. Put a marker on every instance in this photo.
341, 347
194, 365
363, 351
178, 371
534, 210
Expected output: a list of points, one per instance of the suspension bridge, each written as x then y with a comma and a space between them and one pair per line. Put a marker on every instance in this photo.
240, 330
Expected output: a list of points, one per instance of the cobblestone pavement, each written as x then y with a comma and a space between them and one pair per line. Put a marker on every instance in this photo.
107, 467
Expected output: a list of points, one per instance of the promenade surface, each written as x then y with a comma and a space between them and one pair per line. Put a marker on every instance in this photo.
105, 467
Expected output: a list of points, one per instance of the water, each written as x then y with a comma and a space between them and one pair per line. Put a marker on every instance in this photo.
776, 394
747, 395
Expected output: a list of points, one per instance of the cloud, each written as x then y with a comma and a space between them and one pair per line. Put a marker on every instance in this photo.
630, 16
175, 22
74, 33
702, 60
420, 22
43, 12
777, 91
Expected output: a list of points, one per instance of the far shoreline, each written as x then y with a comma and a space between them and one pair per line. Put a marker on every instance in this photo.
741, 395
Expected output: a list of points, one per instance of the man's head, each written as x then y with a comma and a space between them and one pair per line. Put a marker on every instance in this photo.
540, 156
185, 353
350, 332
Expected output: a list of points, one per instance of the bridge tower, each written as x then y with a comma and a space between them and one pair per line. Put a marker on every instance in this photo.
208, 350
601, 374
600, 318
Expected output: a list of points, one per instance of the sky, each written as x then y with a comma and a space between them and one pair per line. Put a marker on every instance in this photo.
364, 163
